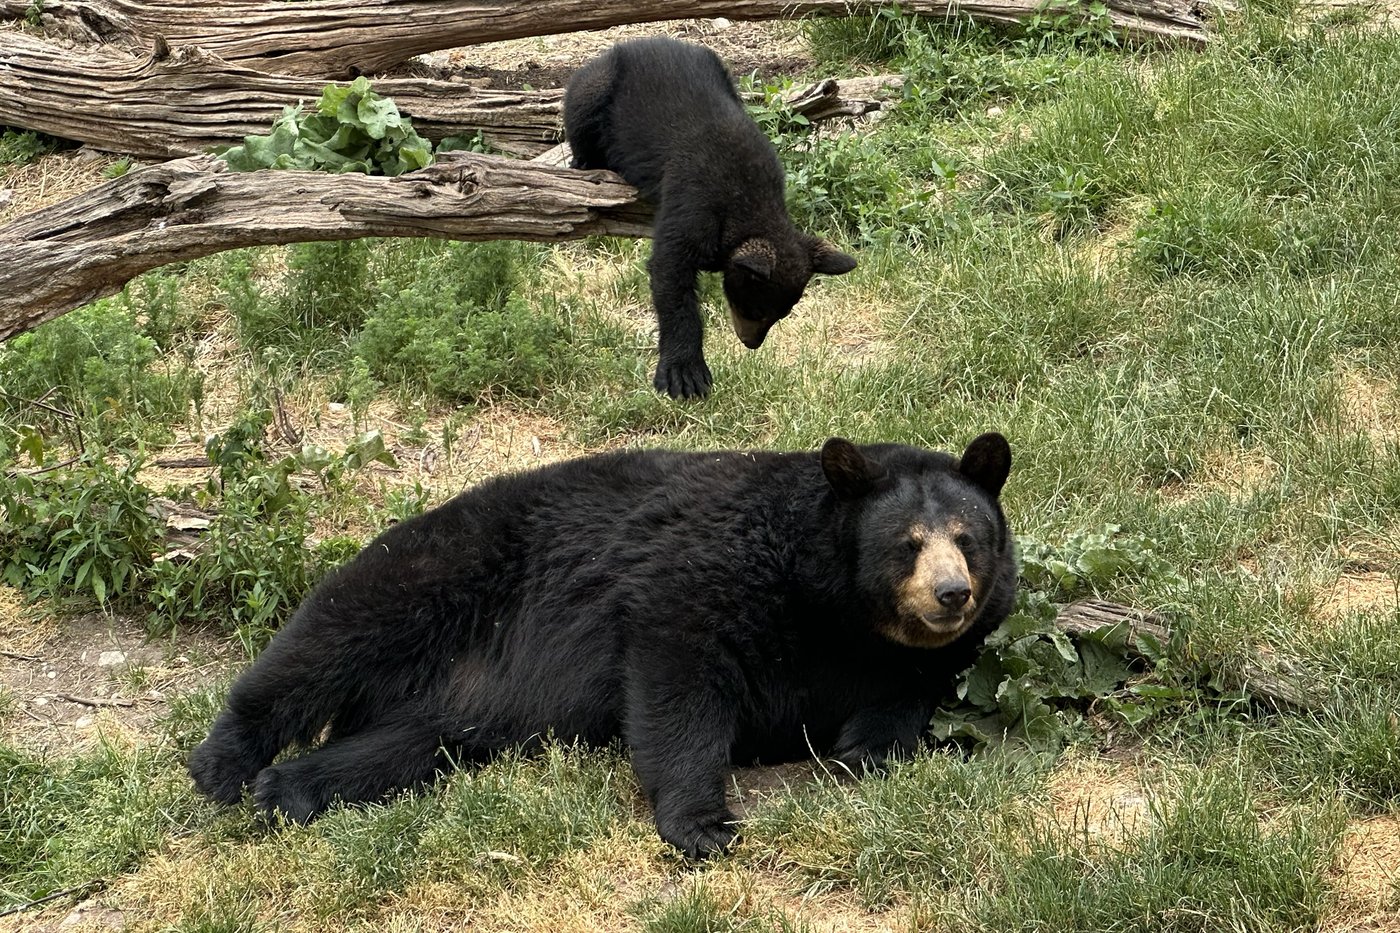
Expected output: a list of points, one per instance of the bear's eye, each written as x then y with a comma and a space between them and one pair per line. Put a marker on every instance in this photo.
914, 543
963, 541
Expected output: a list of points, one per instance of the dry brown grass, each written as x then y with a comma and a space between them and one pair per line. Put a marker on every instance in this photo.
1370, 405
1366, 876
50, 179
1352, 593
1103, 802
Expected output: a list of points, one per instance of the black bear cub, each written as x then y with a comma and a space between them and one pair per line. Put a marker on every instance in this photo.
707, 608
665, 116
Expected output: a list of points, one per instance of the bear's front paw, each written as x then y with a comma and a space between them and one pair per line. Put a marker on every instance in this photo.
873, 756
861, 759
683, 378
699, 835
279, 790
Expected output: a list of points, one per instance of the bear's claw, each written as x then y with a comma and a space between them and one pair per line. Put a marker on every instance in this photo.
683, 378
699, 837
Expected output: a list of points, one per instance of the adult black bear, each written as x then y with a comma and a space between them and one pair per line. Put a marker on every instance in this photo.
706, 607
665, 116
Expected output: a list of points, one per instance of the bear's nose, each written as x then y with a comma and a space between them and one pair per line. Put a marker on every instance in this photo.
953, 593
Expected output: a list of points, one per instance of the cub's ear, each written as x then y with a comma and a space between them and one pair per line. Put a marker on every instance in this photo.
987, 462
828, 260
848, 470
755, 255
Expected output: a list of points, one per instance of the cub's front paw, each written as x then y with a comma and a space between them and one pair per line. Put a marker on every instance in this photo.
699, 835
279, 789
683, 378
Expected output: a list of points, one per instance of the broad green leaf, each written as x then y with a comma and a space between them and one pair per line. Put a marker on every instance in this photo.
980, 688
1104, 671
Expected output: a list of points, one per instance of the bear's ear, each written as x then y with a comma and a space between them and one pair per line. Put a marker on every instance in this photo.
828, 260
849, 471
987, 462
755, 255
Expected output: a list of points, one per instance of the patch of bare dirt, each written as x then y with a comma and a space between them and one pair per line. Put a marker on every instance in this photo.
1366, 877
749, 787
769, 49
1371, 406
1238, 473
71, 680
1375, 591
1102, 801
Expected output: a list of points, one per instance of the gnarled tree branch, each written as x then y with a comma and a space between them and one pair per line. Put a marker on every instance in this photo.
183, 101
341, 38
87, 247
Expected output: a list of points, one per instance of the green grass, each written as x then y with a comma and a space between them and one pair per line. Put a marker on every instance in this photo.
1168, 277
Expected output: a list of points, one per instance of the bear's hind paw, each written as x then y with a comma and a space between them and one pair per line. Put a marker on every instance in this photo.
277, 793
218, 773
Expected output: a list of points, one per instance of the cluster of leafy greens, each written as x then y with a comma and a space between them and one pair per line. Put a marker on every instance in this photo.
352, 130
92, 531
1031, 681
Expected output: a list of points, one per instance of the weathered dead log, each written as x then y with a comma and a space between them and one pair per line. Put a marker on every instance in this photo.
183, 101
347, 37
67, 255
1276, 682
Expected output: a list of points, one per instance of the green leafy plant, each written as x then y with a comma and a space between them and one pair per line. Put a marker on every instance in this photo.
20, 147
1031, 680
1079, 21
81, 533
352, 130
98, 366
118, 168
254, 565
460, 329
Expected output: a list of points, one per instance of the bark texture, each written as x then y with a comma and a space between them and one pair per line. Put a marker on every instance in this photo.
171, 102
89, 246
1274, 681
339, 38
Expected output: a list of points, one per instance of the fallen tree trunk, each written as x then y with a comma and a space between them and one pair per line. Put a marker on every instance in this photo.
1275, 682
89, 246
183, 101
348, 37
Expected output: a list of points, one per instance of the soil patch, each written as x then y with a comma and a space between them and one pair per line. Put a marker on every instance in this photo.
765, 49
1367, 877
1102, 801
1369, 591
73, 680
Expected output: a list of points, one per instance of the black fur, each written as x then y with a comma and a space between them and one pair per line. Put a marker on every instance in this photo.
708, 608
665, 116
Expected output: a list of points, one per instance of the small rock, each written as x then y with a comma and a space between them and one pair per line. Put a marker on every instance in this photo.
719, 23
82, 722
335, 408
40, 701
52, 675
995, 112
111, 659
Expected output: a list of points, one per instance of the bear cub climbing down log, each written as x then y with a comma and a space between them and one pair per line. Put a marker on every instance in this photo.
665, 116
707, 608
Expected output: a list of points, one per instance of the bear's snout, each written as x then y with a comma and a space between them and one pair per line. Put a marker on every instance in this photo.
750, 333
953, 592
